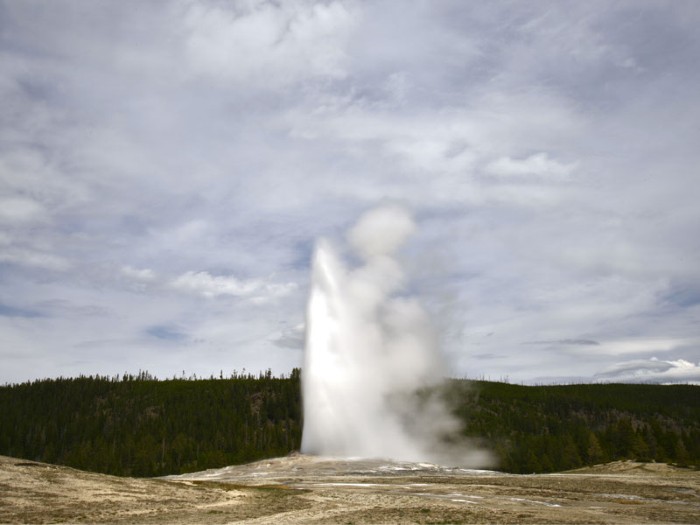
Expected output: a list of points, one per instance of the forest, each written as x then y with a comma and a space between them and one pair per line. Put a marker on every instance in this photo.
136, 425
562, 427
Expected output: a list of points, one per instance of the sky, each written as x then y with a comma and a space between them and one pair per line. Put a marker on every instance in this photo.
166, 169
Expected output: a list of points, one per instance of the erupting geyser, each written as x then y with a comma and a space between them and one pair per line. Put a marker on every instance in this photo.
371, 358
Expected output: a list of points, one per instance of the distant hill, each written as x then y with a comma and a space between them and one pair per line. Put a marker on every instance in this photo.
562, 427
140, 426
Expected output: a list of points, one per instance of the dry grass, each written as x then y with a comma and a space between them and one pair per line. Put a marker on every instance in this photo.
306, 490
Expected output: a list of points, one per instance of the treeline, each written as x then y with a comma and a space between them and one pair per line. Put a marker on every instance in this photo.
140, 426
555, 428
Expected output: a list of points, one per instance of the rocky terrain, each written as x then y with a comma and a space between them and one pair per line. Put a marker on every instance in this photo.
303, 489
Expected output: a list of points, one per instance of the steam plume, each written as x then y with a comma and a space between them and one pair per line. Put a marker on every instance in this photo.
371, 356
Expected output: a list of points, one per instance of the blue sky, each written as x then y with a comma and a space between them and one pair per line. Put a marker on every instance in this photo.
166, 168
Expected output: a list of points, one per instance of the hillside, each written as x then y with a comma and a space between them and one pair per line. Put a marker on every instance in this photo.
139, 426
562, 427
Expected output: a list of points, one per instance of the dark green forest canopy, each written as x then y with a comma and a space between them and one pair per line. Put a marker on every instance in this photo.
561, 427
140, 426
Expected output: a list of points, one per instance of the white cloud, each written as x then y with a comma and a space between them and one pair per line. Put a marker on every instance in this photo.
204, 284
207, 285
427, 154
266, 44
652, 371
34, 259
641, 346
143, 274
537, 165
20, 210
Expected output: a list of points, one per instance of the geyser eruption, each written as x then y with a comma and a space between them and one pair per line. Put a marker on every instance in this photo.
371, 361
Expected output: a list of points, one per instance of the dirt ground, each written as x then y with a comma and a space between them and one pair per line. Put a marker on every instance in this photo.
303, 489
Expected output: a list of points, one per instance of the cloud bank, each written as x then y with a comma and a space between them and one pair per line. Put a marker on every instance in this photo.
170, 165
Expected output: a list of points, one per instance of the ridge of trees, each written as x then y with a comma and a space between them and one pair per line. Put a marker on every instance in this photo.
136, 425
561, 427
139, 426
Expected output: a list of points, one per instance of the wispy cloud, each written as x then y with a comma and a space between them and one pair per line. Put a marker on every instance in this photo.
566, 342
139, 274
33, 258
652, 371
537, 165
21, 210
206, 285
267, 45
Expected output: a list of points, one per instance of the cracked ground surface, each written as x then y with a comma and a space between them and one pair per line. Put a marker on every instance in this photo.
303, 489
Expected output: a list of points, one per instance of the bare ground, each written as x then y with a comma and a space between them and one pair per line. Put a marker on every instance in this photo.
302, 489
